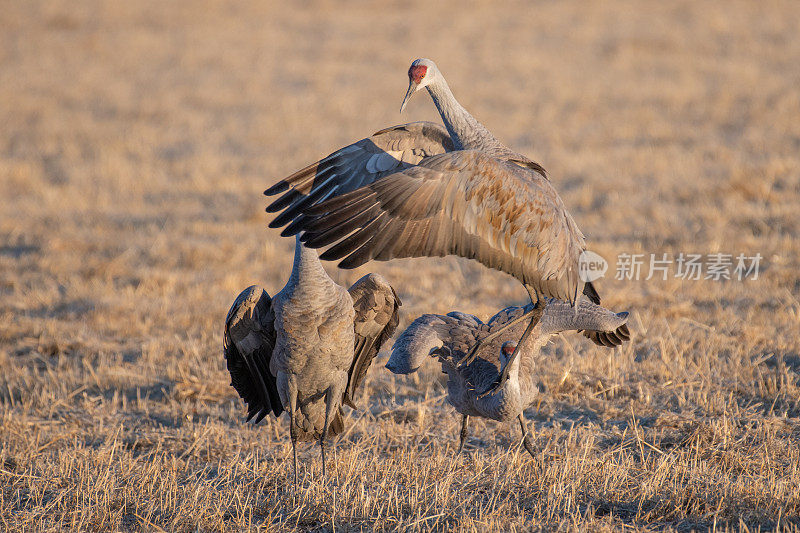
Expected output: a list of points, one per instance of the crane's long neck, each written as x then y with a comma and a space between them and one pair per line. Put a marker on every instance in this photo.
510, 395
513, 373
464, 129
307, 268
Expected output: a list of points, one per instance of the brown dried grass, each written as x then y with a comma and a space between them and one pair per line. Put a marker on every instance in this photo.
136, 142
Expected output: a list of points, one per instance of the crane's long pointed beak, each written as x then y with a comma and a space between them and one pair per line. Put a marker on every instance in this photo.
412, 88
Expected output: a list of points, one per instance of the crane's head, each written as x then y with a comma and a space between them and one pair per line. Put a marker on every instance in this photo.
420, 74
506, 351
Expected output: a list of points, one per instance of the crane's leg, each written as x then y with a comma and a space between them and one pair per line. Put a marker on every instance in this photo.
292, 408
464, 426
526, 436
324, 436
322, 446
473, 351
332, 395
293, 434
537, 315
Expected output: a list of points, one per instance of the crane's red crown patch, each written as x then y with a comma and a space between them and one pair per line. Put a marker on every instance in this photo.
417, 72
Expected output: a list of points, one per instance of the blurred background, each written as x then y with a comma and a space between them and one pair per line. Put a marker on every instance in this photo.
137, 138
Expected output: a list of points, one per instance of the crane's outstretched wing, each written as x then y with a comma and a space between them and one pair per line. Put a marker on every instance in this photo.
604, 327
376, 304
353, 166
461, 203
449, 336
248, 342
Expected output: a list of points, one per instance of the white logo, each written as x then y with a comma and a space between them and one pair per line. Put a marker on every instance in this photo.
591, 266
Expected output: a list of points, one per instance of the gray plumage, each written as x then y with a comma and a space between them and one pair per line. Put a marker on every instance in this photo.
416, 190
450, 336
307, 349
421, 190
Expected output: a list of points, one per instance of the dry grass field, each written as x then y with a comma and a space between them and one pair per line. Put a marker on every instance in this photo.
135, 142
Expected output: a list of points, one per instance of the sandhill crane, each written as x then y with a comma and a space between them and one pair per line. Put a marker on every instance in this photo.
419, 190
307, 349
450, 336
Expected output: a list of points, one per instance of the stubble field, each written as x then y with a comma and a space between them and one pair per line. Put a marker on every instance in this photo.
137, 138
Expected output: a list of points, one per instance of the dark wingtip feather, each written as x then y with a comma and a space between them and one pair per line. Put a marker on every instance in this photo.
358, 222
278, 221
287, 215
624, 333
295, 227
295, 209
606, 340
329, 255
278, 188
283, 201
351, 262
337, 202
359, 257
609, 339
337, 251
352, 245
361, 211
291, 231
